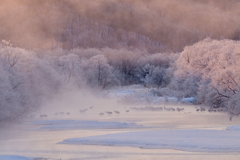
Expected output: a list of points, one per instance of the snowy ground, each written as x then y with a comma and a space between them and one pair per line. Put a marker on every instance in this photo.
234, 128
143, 133
14, 157
188, 140
136, 94
75, 124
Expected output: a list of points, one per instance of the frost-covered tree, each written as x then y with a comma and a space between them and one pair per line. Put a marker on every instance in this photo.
98, 72
156, 77
16, 100
43, 80
125, 64
68, 67
212, 68
26, 81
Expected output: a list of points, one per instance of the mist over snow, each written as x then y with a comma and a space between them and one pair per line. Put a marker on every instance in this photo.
54, 46
119, 79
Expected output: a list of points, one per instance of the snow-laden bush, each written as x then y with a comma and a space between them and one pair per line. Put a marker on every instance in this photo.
25, 81
210, 71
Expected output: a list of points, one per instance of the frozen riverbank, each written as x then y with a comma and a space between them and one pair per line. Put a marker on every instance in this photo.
75, 125
14, 157
188, 140
125, 135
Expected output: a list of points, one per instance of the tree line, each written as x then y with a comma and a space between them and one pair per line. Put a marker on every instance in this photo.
208, 70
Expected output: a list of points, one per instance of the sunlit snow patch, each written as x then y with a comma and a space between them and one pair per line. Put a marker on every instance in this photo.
72, 124
189, 140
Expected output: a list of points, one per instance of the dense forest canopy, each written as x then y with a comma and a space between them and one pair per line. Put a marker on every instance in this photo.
158, 26
187, 48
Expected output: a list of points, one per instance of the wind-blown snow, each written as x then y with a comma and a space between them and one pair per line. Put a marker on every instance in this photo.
189, 140
234, 128
75, 124
13, 157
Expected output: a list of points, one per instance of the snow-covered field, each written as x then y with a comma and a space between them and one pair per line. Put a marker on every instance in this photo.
13, 157
75, 124
73, 128
136, 94
188, 140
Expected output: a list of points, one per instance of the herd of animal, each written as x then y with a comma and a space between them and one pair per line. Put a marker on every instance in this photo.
147, 108
83, 111
211, 109
109, 112
150, 108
